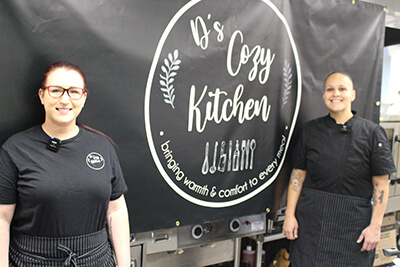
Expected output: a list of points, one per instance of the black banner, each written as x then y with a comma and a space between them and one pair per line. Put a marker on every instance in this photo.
204, 98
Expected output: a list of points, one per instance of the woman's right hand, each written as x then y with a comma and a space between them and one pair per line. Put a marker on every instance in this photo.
290, 227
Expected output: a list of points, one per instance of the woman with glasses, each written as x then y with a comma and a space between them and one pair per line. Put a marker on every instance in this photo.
341, 162
61, 186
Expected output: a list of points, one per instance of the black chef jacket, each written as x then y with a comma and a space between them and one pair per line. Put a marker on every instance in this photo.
342, 159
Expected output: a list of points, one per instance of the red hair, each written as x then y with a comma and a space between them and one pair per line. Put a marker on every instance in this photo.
96, 131
63, 65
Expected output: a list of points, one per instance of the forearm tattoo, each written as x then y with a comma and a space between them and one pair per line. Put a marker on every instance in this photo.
295, 180
381, 196
377, 196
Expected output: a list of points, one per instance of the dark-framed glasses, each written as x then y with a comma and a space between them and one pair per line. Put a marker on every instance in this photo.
58, 91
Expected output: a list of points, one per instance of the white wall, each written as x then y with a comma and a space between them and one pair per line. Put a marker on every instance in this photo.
390, 96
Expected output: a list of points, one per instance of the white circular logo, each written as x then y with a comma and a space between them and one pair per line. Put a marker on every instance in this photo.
222, 99
95, 161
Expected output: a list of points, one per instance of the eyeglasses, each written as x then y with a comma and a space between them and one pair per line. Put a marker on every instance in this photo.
58, 91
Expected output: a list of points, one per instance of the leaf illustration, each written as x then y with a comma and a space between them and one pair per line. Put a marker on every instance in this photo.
171, 65
287, 74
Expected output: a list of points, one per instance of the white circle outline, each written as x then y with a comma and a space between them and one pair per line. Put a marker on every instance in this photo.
103, 160
147, 113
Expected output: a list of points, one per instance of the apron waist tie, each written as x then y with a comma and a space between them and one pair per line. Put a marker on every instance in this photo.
71, 255
85, 250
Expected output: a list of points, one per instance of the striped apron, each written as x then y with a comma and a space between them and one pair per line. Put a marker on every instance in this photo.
329, 226
86, 250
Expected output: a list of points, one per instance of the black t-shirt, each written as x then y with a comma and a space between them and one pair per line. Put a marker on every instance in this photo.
343, 162
59, 194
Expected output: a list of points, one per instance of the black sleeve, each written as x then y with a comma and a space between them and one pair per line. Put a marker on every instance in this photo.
8, 179
299, 153
381, 155
119, 186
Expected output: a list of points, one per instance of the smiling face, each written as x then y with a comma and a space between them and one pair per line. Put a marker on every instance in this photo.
338, 94
62, 111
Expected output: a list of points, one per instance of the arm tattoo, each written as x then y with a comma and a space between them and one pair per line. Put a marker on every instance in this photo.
295, 180
375, 199
381, 196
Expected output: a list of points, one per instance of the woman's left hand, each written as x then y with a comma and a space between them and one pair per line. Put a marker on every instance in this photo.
371, 236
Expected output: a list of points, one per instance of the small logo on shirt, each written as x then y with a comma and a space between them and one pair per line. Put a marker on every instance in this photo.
95, 161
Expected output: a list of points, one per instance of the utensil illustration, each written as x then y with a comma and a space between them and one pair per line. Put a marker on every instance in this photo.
247, 154
213, 168
243, 155
229, 156
204, 167
222, 158
236, 158
252, 148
